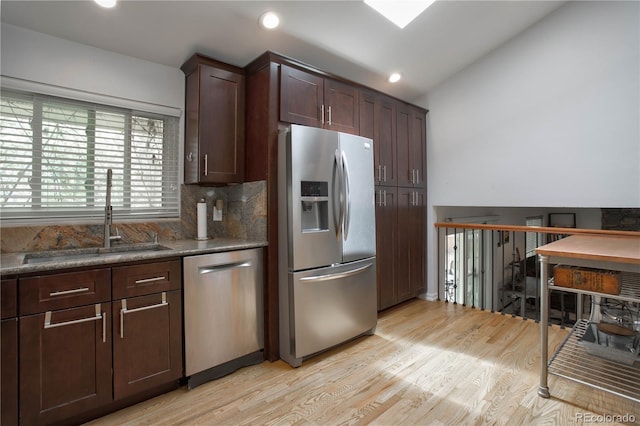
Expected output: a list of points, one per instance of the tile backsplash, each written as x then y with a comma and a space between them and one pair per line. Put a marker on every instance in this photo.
244, 213
244, 217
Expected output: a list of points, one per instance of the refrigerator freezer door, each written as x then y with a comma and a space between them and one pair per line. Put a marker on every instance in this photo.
332, 305
313, 211
359, 236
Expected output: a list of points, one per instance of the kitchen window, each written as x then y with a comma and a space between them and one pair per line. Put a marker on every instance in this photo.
55, 153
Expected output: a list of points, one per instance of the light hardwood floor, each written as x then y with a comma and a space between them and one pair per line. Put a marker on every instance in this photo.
428, 363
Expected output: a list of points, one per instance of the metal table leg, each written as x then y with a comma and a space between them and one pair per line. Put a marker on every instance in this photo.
543, 389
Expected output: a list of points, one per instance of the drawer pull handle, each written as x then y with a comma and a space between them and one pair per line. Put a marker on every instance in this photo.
98, 316
65, 292
124, 310
150, 280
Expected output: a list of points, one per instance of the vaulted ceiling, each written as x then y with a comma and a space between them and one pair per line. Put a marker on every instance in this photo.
346, 38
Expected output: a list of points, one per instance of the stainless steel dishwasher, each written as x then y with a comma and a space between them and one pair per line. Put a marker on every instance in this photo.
223, 313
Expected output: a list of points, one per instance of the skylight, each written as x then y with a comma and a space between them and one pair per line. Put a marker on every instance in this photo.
400, 12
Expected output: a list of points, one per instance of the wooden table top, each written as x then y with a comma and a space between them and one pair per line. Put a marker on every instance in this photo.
595, 247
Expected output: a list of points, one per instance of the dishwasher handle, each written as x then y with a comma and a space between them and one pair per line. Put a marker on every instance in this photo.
224, 267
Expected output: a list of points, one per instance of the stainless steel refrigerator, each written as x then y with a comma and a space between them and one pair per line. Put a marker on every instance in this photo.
327, 264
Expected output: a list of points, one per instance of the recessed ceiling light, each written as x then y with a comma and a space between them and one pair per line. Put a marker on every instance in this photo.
400, 12
106, 3
269, 20
395, 77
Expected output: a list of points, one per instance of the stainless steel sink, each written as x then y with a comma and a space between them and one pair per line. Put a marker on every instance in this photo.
89, 253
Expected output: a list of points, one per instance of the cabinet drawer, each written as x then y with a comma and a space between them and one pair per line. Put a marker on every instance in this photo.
66, 290
138, 280
9, 298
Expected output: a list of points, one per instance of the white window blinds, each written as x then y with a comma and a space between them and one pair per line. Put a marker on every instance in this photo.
54, 156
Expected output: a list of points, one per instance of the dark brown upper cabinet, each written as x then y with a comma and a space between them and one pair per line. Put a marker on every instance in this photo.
411, 145
378, 122
215, 122
312, 100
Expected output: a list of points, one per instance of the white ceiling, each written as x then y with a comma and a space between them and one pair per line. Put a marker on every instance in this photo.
346, 38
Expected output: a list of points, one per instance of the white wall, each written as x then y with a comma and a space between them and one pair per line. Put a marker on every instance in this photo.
549, 119
37, 57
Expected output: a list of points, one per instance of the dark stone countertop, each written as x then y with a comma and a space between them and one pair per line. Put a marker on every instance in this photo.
13, 263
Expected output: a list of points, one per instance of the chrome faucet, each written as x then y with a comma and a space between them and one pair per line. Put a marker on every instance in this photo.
108, 215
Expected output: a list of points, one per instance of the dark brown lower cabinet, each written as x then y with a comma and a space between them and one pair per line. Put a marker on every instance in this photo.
82, 354
412, 237
9, 356
147, 342
400, 242
65, 363
386, 246
9, 372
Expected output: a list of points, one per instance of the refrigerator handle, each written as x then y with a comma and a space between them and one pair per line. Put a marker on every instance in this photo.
337, 168
347, 195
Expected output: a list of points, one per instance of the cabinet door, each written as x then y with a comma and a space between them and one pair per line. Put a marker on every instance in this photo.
301, 97
368, 119
9, 357
368, 126
215, 132
386, 143
65, 363
341, 107
411, 144
418, 147
405, 163
386, 246
9, 372
147, 342
378, 122
417, 244
221, 125
411, 242
406, 197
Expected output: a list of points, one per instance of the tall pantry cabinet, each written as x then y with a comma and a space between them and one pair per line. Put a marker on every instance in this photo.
398, 133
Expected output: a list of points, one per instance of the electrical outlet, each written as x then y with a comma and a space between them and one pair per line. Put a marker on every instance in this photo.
217, 214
